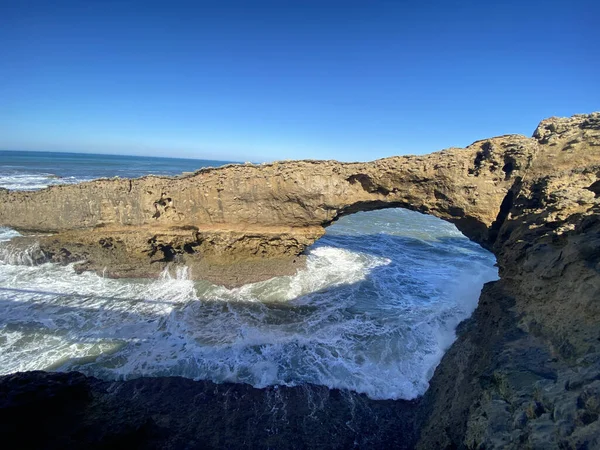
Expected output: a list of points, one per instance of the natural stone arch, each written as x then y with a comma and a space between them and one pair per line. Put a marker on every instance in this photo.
255, 213
244, 217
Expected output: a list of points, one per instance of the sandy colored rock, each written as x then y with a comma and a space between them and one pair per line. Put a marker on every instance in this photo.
243, 214
526, 362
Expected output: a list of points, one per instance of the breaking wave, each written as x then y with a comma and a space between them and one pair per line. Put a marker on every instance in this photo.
374, 311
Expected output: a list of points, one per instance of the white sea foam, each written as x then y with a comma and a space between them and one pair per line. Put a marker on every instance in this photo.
34, 181
9, 254
372, 312
7, 233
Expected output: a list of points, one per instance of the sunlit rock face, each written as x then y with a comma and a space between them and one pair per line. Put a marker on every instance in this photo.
525, 370
260, 218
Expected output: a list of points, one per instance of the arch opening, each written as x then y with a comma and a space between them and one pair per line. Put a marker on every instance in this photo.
468, 225
423, 276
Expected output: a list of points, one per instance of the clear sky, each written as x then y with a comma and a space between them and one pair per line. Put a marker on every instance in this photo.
265, 80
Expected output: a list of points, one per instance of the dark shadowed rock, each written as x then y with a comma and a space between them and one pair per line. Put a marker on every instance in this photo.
43, 410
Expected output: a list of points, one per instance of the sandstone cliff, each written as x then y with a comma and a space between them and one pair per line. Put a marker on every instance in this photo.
525, 370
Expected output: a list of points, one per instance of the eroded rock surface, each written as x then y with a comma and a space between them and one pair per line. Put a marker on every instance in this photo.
525, 369
242, 216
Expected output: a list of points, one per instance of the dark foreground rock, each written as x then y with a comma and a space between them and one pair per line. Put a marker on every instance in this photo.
45, 410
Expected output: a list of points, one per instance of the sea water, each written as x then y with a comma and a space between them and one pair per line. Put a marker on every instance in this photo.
373, 311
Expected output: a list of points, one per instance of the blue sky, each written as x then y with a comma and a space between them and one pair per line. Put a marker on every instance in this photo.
267, 80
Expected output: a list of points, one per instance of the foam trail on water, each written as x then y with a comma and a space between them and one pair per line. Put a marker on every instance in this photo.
7, 234
10, 254
53, 316
374, 311
34, 181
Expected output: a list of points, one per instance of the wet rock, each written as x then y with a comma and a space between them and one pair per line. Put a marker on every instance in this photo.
43, 410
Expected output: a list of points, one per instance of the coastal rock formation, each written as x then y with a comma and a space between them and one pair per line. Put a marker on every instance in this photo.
525, 369
73, 411
248, 216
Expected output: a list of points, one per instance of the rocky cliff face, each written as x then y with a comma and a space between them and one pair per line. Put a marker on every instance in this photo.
525, 370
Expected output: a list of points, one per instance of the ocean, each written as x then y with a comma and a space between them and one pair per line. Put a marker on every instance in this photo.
373, 312
36, 170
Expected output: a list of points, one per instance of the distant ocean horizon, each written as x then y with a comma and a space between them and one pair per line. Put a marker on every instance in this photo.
69, 152
24, 169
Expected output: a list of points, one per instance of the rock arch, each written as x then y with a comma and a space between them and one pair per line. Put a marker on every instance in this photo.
524, 370
255, 213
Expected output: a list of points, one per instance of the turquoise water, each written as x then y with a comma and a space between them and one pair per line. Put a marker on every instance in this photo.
373, 311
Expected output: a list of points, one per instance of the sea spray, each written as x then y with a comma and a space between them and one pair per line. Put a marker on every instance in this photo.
373, 312
29, 256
